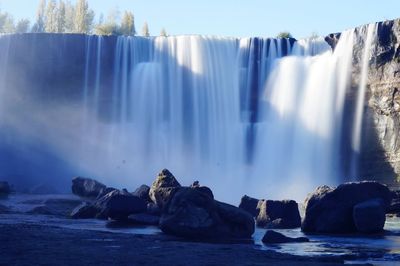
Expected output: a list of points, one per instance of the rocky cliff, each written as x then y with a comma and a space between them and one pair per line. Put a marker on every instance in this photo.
380, 155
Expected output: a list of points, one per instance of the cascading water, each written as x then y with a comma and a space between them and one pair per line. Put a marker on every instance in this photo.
253, 116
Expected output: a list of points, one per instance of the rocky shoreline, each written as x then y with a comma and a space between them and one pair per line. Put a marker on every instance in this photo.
196, 226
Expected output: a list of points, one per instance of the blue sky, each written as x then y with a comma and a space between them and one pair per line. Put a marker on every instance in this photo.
238, 17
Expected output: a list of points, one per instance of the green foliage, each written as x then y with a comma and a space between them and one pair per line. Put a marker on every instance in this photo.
145, 30
163, 33
284, 34
22, 26
6, 23
128, 24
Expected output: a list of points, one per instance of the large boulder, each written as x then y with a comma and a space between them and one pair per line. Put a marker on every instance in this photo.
5, 188
330, 210
118, 205
163, 188
250, 205
86, 187
84, 211
279, 214
193, 213
273, 237
369, 216
143, 193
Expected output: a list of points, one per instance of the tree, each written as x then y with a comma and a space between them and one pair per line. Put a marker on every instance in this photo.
22, 26
39, 25
69, 17
128, 24
6, 23
145, 30
109, 27
83, 17
51, 17
163, 32
61, 16
284, 34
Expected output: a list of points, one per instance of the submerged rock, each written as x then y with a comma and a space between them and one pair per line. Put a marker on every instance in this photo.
273, 237
279, 214
86, 187
56, 207
5, 188
369, 216
163, 188
250, 205
329, 210
193, 213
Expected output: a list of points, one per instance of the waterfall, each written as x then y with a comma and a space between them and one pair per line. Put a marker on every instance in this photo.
369, 32
255, 116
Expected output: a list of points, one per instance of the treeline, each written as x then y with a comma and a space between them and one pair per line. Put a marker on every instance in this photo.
64, 17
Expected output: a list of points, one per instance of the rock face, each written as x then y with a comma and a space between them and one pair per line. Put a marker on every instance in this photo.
86, 187
143, 193
249, 204
193, 213
163, 188
330, 210
394, 207
279, 214
273, 237
4, 188
369, 216
144, 219
84, 211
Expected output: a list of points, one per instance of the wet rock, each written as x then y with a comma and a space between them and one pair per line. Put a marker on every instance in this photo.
144, 219
279, 214
105, 191
86, 187
153, 209
250, 205
273, 237
193, 213
330, 210
163, 188
143, 193
84, 211
369, 216
57, 207
5, 188
118, 205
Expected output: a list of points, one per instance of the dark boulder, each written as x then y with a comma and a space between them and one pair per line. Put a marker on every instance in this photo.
144, 219
5, 188
329, 210
279, 214
394, 207
153, 209
369, 216
273, 237
84, 211
193, 213
118, 205
163, 188
105, 191
250, 205
86, 187
143, 193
